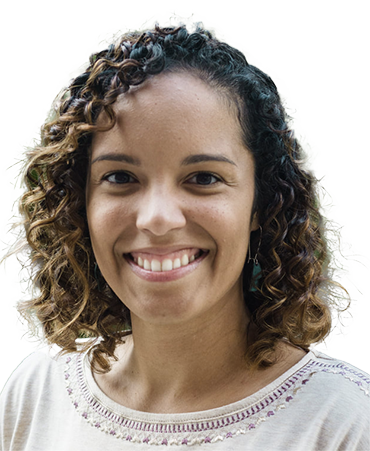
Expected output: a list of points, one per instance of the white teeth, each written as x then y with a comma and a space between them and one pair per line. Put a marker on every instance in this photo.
166, 265
156, 265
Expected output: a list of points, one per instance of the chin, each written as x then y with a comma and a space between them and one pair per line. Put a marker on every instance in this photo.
167, 310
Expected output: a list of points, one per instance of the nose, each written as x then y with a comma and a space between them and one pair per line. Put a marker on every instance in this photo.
160, 211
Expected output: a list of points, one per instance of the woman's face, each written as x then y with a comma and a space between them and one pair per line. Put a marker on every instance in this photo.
169, 201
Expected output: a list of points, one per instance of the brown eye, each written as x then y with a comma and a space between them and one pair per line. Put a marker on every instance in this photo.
204, 178
119, 178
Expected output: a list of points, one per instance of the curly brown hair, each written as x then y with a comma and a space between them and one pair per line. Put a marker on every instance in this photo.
289, 297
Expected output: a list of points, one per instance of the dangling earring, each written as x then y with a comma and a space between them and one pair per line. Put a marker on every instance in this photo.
97, 276
255, 258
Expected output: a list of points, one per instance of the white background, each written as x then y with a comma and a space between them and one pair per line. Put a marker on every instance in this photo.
349, 184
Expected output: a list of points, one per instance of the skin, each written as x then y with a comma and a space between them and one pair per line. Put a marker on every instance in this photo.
143, 194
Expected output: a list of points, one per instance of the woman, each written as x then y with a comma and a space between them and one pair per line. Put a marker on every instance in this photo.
170, 221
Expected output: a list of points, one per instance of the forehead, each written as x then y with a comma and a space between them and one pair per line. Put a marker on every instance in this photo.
174, 93
175, 105
181, 89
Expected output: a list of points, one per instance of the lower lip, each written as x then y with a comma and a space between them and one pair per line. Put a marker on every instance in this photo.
165, 276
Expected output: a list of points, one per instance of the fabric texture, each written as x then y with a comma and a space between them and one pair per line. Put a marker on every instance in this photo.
53, 404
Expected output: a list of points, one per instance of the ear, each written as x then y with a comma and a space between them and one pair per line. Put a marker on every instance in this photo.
254, 222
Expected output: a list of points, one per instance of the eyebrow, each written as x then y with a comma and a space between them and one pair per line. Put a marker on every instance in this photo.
200, 158
118, 157
191, 159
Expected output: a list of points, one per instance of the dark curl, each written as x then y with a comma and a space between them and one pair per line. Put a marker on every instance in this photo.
290, 297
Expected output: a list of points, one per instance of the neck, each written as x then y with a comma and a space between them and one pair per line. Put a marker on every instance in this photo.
172, 367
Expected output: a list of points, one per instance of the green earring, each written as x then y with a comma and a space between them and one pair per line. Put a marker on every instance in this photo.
97, 276
256, 270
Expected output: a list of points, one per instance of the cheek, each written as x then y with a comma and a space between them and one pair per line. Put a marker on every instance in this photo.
105, 219
232, 215
228, 223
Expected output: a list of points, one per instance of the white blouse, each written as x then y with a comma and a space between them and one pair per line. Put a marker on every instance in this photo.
54, 404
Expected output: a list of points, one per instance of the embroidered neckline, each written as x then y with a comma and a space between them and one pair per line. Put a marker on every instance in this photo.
197, 427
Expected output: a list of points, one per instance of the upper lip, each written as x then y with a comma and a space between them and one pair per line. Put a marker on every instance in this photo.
164, 250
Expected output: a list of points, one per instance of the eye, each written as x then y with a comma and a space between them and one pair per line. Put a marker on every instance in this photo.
119, 178
201, 178
204, 178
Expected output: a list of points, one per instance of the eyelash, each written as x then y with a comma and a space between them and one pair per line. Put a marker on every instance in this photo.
128, 175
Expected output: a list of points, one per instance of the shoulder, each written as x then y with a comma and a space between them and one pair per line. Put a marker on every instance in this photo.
329, 388
335, 396
32, 373
41, 376
43, 369
331, 373
31, 394
321, 403
33, 381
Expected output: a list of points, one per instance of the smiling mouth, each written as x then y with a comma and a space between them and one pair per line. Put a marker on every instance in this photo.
165, 263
